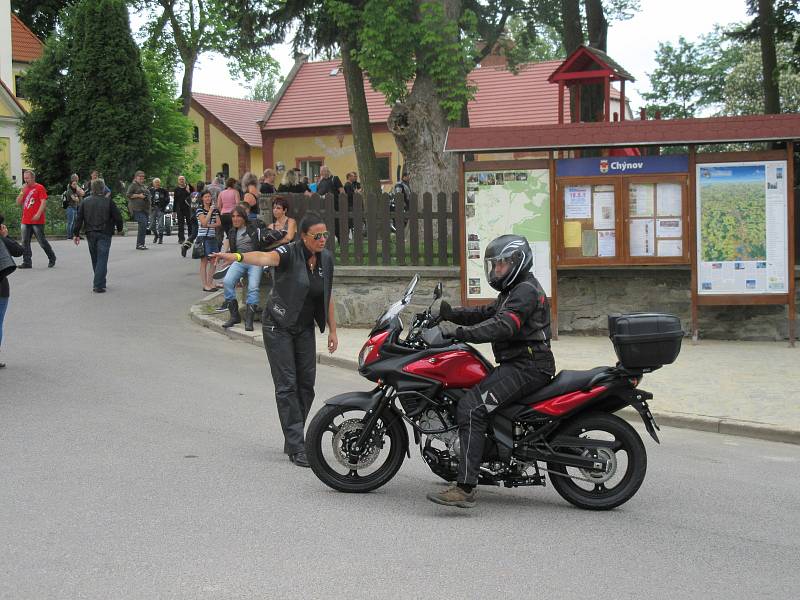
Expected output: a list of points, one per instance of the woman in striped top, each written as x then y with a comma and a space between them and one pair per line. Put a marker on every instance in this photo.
208, 221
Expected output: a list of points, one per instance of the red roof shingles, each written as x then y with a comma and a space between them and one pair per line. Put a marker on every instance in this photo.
627, 133
25, 46
241, 116
315, 98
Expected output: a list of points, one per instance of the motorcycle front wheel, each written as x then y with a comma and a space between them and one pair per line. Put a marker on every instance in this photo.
627, 464
331, 438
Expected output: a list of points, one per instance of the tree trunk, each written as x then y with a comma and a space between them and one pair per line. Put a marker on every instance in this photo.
593, 96
572, 31
186, 83
359, 122
419, 127
596, 24
769, 61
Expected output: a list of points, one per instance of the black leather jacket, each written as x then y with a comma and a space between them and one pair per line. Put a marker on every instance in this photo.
290, 287
97, 214
517, 323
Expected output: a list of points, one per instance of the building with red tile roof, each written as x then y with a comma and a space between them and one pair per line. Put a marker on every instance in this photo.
308, 124
226, 134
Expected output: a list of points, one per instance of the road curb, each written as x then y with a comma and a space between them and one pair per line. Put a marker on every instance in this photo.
750, 429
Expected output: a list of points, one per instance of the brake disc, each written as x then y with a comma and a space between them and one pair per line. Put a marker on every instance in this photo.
601, 476
345, 437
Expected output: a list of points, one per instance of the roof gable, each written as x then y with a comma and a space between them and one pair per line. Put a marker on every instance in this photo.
239, 115
25, 46
10, 99
584, 61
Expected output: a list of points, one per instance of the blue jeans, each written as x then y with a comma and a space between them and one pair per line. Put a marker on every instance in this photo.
99, 248
235, 273
157, 221
3, 307
28, 231
140, 216
72, 213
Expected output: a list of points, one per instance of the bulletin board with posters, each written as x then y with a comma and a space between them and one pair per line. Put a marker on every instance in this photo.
502, 197
744, 252
622, 211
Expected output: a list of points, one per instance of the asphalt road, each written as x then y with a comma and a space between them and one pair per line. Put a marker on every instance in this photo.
140, 457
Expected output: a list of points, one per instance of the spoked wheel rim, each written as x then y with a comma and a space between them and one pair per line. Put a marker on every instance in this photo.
336, 457
607, 481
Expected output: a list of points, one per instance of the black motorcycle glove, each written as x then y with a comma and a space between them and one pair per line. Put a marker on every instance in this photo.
445, 311
438, 336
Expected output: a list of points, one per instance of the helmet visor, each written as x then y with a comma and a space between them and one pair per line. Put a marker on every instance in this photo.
498, 267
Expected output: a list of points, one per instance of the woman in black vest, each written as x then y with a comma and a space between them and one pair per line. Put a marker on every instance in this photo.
300, 296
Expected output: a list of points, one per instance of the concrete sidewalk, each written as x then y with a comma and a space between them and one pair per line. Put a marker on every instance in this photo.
739, 388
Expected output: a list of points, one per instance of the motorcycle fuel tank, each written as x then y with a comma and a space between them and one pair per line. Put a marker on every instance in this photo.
454, 368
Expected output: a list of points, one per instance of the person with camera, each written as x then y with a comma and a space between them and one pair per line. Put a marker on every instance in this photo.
138, 204
182, 205
70, 200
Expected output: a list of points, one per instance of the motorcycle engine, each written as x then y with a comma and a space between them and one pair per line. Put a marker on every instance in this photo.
431, 420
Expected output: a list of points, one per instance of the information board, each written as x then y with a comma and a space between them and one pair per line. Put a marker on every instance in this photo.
742, 233
502, 202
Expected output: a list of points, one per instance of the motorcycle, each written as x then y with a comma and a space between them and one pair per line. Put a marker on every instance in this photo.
568, 430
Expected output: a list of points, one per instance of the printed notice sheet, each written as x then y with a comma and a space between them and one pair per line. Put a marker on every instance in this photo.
642, 234
578, 202
603, 210
606, 243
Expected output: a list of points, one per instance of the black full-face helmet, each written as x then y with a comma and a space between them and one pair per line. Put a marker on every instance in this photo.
511, 251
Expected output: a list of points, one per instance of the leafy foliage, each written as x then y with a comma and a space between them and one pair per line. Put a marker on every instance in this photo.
167, 155
91, 105
743, 88
42, 17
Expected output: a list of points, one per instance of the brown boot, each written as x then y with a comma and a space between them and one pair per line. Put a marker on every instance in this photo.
454, 496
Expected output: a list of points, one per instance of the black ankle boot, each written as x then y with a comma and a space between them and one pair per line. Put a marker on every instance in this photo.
233, 308
249, 315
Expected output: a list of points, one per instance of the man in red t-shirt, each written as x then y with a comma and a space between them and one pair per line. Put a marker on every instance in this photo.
33, 200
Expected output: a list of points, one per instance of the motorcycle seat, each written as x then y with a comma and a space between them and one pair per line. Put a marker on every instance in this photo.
564, 383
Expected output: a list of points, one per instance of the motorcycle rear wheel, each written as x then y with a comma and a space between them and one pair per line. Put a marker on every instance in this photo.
629, 452
330, 433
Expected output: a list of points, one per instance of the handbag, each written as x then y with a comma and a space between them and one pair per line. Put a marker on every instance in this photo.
7, 264
198, 248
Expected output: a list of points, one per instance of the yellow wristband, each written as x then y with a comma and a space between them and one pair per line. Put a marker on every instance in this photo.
239, 257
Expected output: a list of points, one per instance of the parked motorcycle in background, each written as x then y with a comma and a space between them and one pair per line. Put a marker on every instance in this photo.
568, 429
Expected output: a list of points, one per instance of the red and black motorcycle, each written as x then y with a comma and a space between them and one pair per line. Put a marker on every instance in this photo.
568, 429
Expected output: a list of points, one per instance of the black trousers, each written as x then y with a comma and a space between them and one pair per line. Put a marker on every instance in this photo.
292, 355
509, 381
184, 219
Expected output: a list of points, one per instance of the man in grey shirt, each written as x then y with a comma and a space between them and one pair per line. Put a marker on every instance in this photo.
138, 205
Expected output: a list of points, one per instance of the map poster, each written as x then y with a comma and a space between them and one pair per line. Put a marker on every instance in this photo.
501, 202
742, 234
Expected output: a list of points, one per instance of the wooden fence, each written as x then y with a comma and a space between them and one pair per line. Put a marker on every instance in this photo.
426, 232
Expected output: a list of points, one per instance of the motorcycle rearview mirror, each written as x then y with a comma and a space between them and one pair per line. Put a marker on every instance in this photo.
437, 291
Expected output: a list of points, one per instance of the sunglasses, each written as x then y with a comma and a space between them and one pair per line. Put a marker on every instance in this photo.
324, 235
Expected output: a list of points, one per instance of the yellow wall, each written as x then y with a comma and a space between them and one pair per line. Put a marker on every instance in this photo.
223, 150
5, 155
340, 159
256, 165
5, 110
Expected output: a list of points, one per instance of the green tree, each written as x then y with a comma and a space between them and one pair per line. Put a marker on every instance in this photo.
45, 128
263, 88
743, 90
109, 108
42, 17
91, 105
167, 154
184, 30
774, 22
690, 76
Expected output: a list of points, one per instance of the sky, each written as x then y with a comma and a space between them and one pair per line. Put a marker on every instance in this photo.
631, 43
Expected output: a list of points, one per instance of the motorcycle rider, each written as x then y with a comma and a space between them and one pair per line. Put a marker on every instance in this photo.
518, 325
